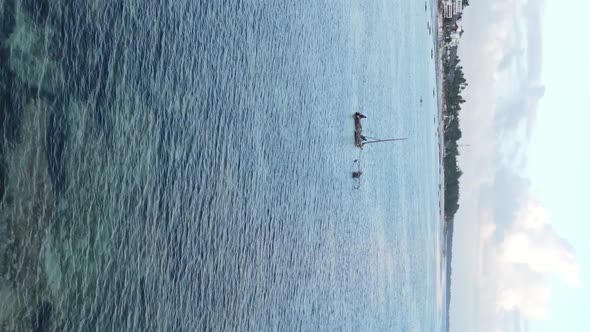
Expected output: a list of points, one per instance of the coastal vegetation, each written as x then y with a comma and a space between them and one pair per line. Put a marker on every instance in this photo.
452, 133
453, 85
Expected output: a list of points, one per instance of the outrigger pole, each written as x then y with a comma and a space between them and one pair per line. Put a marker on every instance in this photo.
385, 140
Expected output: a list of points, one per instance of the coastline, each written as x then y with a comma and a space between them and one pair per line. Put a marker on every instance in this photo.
442, 241
441, 107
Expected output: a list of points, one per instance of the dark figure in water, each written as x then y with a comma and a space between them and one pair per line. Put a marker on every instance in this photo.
359, 115
363, 138
357, 174
42, 318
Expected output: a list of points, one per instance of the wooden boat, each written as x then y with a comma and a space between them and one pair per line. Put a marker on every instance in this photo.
360, 140
358, 130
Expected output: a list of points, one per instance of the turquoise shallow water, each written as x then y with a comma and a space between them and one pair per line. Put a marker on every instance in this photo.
187, 166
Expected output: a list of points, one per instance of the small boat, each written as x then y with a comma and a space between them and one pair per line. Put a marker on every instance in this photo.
360, 140
358, 130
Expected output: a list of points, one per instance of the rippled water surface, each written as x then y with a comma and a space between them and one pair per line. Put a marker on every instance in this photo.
186, 165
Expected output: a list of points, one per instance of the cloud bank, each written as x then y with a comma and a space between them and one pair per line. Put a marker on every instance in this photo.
518, 255
515, 249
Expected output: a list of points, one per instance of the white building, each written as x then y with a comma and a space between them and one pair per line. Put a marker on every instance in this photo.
452, 8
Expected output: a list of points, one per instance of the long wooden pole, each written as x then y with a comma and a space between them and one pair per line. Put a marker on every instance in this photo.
385, 140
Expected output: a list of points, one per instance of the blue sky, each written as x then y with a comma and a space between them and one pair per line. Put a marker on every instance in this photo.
520, 258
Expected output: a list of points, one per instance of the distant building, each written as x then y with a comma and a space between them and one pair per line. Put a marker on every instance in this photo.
452, 8
455, 36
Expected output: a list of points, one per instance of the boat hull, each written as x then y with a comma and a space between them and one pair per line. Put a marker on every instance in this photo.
358, 130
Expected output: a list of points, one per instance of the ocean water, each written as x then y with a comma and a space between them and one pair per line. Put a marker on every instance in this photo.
186, 165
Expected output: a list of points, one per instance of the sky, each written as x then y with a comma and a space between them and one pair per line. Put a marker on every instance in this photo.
521, 251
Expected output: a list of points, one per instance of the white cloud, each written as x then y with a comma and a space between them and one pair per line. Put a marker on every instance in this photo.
518, 258
529, 297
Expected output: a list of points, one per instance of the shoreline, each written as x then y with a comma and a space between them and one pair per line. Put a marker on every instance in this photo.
441, 108
442, 254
